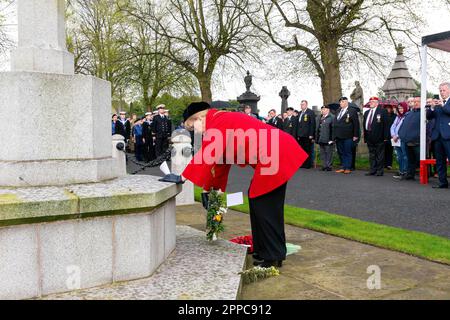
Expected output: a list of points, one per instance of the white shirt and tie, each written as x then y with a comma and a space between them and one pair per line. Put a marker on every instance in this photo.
341, 114
370, 117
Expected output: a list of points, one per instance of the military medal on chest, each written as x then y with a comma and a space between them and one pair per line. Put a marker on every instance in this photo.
305, 118
379, 118
347, 120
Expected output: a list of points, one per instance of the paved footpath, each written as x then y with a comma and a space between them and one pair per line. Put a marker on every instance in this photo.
329, 267
402, 204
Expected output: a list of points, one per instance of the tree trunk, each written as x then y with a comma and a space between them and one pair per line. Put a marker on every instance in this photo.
205, 87
331, 80
146, 100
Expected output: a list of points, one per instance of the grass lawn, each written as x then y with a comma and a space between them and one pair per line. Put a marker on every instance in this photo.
411, 242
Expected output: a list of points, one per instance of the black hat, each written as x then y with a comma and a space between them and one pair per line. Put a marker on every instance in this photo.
290, 109
436, 96
325, 106
195, 107
343, 98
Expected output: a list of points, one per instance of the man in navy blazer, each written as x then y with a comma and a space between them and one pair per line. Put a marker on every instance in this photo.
441, 134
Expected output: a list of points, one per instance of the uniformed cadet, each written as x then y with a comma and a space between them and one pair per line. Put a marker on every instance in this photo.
162, 127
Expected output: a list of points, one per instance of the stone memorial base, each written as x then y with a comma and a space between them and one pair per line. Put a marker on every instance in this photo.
57, 129
60, 239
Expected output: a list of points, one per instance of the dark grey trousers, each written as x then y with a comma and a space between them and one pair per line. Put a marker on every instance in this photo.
326, 155
376, 157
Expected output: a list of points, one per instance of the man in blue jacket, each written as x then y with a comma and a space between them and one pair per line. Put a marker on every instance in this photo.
410, 133
441, 134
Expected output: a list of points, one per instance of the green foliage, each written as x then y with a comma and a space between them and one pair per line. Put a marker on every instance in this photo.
415, 243
175, 105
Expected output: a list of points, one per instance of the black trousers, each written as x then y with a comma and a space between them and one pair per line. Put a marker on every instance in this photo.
376, 157
149, 150
388, 153
413, 160
267, 221
161, 145
306, 145
442, 148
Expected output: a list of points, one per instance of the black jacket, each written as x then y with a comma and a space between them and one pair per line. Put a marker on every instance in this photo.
123, 130
276, 122
306, 126
162, 127
290, 126
348, 126
380, 129
147, 131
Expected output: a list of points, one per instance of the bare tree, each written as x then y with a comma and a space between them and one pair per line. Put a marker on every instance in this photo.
336, 35
199, 34
148, 67
94, 31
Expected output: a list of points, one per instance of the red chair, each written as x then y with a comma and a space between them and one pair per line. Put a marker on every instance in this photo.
424, 169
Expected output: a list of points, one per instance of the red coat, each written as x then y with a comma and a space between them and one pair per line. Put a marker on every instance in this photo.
274, 154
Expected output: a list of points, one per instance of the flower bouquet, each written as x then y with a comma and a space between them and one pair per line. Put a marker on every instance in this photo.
214, 217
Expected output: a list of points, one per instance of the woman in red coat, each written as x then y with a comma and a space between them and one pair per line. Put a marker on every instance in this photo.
234, 138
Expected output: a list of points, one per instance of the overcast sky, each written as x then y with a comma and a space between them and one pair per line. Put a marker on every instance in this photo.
229, 85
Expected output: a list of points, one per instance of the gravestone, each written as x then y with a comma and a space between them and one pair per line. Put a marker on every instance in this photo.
284, 95
249, 98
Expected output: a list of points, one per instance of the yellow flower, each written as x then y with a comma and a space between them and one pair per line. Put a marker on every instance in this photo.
218, 218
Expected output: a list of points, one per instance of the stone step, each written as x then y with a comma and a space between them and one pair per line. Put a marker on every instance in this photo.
196, 270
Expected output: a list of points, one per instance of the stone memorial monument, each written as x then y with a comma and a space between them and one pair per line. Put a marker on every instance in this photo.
70, 217
284, 95
399, 84
248, 97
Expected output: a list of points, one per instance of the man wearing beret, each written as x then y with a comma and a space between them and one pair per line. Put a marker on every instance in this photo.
234, 138
346, 133
290, 123
376, 133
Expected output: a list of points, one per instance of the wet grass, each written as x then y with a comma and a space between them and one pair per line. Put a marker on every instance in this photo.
415, 243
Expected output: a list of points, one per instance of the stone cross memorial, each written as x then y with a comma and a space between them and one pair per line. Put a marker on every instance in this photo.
70, 216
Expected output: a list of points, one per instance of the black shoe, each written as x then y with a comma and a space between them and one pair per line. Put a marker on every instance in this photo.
369, 174
329, 169
324, 169
257, 258
440, 186
410, 178
268, 263
379, 174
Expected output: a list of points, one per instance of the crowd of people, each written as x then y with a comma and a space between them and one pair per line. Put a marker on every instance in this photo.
384, 128
147, 136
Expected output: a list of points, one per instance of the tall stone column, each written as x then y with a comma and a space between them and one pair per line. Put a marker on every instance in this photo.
42, 38
56, 125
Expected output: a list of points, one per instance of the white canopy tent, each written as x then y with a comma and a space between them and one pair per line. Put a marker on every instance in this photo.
440, 41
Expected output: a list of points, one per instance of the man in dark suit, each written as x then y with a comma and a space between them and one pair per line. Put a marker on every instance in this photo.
346, 132
290, 123
162, 127
376, 133
147, 133
306, 129
441, 134
274, 120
